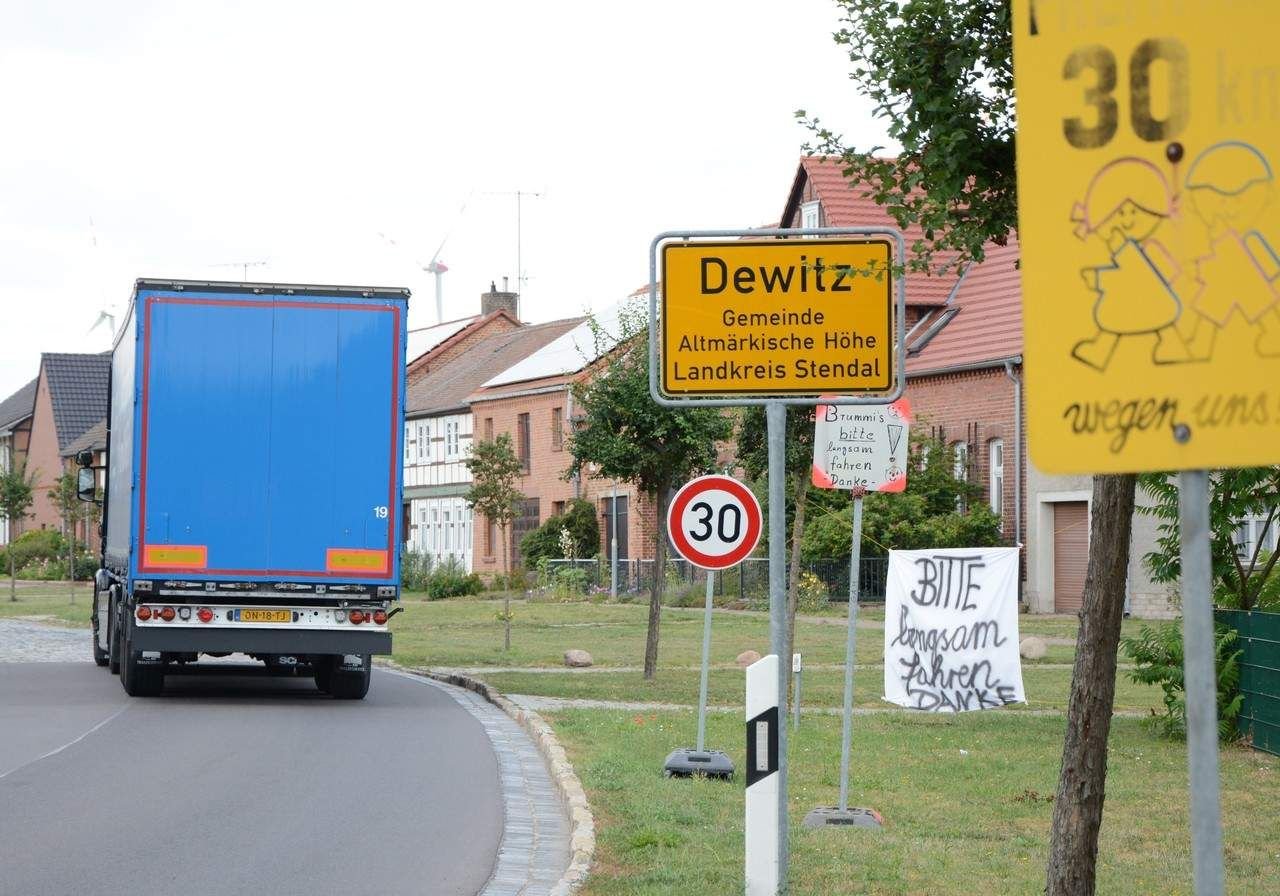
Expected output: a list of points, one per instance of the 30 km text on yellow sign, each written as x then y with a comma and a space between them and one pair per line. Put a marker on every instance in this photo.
1148, 135
777, 317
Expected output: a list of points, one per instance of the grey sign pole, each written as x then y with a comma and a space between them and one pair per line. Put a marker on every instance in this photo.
797, 673
842, 814
855, 569
613, 546
1201, 684
776, 417
706, 663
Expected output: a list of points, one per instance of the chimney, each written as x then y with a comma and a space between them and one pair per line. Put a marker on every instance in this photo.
494, 299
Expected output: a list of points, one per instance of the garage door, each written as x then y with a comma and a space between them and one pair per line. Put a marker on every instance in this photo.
1070, 554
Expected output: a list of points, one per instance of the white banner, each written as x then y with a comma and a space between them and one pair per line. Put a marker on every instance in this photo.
951, 629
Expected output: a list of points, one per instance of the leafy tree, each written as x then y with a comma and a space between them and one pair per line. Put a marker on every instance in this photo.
17, 494
66, 499
623, 434
926, 515
940, 75
495, 470
1157, 655
1239, 582
584, 533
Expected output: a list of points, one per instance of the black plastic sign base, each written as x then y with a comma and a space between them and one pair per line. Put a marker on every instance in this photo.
687, 762
852, 818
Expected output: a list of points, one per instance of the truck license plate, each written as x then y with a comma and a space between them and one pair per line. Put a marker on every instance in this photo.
264, 616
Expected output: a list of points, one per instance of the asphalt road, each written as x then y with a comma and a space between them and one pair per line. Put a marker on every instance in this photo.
240, 783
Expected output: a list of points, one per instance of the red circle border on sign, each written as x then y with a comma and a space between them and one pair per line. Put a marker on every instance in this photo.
691, 490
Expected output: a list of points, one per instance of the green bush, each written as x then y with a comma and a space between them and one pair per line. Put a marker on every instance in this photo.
811, 594
584, 532
415, 570
37, 544
1157, 653
448, 579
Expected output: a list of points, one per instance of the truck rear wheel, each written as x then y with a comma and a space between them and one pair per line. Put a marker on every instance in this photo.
114, 646
99, 655
139, 680
350, 684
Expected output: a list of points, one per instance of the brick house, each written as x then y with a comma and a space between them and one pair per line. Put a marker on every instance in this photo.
964, 379
95, 441
440, 426
15, 435
533, 401
71, 397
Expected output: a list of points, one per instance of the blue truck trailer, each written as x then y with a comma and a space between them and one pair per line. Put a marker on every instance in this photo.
253, 481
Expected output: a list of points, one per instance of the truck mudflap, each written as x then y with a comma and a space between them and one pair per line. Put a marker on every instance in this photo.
189, 639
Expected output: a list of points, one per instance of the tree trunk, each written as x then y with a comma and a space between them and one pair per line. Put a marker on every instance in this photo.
13, 574
1077, 808
71, 560
793, 575
506, 594
659, 582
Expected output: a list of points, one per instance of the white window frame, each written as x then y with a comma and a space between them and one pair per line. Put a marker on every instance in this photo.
995, 476
960, 468
408, 441
451, 439
810, 215
1248, 531
424, 441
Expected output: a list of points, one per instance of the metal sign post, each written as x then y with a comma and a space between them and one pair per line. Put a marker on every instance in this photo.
774, 323
713, 522
1201, 684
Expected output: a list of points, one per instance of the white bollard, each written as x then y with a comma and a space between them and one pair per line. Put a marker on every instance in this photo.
762, 828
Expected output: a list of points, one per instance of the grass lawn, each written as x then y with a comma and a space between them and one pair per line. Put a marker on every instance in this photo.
49, 602
466, 633
954, 823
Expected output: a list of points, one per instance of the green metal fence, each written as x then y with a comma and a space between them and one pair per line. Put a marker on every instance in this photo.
1259, 675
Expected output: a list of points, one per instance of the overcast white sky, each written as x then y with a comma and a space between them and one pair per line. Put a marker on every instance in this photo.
197, 135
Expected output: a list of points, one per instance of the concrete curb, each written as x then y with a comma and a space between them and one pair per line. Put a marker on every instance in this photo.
582, 835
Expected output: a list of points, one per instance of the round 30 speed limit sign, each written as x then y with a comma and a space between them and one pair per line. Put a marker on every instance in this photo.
714, 522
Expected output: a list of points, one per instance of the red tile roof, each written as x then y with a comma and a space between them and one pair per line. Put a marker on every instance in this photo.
844, 205
987, 325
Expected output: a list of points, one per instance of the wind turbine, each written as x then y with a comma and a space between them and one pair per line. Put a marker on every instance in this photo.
435, 266
110, 310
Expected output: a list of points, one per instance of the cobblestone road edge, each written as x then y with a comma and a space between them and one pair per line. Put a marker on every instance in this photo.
582, 836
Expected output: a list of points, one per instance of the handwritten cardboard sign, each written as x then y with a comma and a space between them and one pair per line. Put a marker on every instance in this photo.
862, 445
951, 629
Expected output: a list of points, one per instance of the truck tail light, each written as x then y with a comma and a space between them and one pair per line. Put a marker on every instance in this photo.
144, 613
380, 617
204, 614
356, 617
167, 614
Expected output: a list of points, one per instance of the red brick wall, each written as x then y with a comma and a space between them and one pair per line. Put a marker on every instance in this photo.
953, 403
44, 460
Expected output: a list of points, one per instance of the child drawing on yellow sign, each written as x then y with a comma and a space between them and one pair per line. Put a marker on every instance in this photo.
1125, 205
1230, 184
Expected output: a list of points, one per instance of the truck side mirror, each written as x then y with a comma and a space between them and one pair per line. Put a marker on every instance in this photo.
86, 484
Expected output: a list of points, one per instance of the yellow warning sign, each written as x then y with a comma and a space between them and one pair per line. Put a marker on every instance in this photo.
1150, 232
777, 317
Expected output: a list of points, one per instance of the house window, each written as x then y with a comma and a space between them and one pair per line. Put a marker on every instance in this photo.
1255, 529
424, 440
522, 442
809, 216
409, 442
995, 475
557, 429
451, 439
488, 429
490, 538
557, 508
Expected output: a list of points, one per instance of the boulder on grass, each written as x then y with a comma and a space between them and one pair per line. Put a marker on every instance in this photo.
577, 659
1033, 648
747, 657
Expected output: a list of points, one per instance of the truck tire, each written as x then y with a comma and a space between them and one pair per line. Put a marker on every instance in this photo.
351, 685
139, 680
114, 648
99, 655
